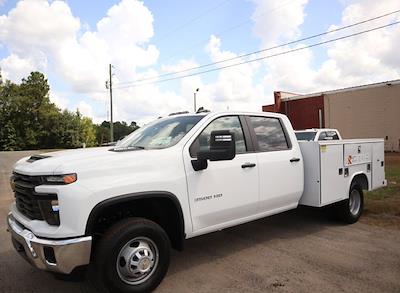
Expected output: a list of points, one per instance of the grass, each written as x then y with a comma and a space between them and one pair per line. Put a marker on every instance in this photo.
382, 206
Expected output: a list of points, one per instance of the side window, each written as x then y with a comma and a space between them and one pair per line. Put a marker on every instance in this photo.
322, 136
269, 133
231, 123
328, 135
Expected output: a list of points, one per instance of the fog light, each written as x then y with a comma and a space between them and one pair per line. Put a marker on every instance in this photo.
49, 255
54, 205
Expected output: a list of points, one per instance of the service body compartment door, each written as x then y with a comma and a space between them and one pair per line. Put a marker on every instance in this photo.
378, 165
357, 153
312, 180
333, 183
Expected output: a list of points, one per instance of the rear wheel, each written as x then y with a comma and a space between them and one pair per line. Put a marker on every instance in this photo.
133, 256
350, 210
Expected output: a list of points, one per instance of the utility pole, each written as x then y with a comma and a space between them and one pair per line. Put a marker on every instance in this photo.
194, 99
111, 107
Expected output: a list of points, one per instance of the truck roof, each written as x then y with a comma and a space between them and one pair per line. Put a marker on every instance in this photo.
213, 113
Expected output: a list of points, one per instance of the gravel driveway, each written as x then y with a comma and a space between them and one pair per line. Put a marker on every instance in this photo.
298, 251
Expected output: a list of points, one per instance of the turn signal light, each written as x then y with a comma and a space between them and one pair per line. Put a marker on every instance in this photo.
70, 178
61, 179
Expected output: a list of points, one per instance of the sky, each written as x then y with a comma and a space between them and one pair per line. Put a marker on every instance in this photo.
73, 42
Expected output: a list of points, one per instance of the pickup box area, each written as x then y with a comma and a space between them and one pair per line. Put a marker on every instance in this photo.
331, 166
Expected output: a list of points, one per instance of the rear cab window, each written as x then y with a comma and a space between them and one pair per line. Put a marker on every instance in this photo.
328, 135
270, 134
305, 135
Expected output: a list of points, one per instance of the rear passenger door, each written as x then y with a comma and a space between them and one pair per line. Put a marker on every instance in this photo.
280, 169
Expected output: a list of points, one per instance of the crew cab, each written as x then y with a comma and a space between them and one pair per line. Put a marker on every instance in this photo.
316, 134
122, 208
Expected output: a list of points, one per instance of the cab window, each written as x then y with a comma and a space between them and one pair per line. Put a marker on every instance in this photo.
328, 135
270, 134
231, 123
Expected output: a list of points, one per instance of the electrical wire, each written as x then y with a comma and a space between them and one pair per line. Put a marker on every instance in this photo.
229, 29
194, 19
264, 57
259, 51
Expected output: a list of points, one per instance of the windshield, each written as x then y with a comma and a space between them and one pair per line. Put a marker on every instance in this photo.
306, 135
160, 134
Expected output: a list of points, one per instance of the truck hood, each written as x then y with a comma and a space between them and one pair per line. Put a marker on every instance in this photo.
82, 160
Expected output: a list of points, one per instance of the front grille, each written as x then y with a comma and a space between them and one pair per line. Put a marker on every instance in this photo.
28, 202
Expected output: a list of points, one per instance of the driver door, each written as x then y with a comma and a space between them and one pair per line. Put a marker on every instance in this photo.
226, 190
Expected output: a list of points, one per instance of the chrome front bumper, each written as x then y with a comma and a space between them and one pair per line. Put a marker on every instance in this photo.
60, 256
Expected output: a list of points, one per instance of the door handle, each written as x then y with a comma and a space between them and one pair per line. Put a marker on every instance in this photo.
294, 160
248, 165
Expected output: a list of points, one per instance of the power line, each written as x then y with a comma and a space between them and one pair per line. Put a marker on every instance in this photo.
264, 57
259, 51
234, 27
202, 41
184, 25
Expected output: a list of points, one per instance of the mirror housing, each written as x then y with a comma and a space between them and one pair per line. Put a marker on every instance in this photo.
222, 148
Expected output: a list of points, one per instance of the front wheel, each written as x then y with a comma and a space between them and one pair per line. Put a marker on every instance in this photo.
350, 210
133, 256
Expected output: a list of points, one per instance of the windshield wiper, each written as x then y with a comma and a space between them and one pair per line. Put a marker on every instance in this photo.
128, 148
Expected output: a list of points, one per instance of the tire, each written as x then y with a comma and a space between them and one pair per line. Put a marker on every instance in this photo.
140, 242
350, 210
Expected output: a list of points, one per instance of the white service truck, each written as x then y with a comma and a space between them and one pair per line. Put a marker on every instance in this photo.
316, 134
121, 208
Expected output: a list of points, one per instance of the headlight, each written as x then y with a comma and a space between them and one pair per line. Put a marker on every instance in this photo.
61, 179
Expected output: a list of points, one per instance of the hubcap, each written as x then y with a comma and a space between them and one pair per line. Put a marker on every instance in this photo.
137, 260
354, 202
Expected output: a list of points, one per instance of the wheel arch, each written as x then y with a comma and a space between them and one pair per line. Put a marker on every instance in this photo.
361, 179
171, 207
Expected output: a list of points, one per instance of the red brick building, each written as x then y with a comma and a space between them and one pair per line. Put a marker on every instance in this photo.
367, 111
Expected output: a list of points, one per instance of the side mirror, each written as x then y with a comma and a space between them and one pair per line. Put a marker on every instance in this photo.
222, 147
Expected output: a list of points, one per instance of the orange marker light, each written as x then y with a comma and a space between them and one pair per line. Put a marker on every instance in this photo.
70, 178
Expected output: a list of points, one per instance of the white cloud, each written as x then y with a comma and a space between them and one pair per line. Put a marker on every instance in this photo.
85, 109
46, 36
235, 87
60, 99
371, 57
15, 68
277, 20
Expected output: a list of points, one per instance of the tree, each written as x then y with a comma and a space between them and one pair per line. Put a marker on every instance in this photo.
28, 119
8, 137
121, 129
88, 132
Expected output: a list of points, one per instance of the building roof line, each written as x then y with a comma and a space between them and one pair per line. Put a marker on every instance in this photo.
352, 88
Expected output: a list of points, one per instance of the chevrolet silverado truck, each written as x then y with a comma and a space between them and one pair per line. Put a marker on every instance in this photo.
122, 208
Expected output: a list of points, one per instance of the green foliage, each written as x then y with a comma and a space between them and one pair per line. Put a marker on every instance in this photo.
121, 129
28, 120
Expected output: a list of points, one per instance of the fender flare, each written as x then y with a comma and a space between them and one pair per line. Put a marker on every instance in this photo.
352, 180
101, 206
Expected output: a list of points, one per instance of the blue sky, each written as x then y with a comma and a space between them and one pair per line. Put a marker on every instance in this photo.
157, 37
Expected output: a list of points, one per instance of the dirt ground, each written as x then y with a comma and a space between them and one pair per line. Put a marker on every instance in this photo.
298, 251
382, 206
